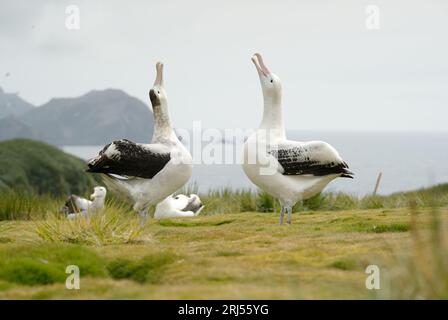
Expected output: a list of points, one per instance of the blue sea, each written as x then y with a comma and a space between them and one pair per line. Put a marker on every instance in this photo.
408, 160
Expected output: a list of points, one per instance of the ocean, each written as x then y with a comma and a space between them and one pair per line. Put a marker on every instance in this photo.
407, 160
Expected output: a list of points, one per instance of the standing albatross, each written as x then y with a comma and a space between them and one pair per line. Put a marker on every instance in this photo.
146, 174
288, 170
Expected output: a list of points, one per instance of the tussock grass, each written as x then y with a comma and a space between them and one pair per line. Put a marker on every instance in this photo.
226, 200
187, 224
228, 254
394, 227
149, 269
4, 227
345, 264
46, 264
423, 272
112, 225
26, 206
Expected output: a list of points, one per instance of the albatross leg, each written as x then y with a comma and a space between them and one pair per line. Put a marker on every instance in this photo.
289, 209
143, 216
282, 214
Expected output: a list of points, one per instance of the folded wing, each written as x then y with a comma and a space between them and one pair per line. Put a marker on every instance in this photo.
313, 158
130, 159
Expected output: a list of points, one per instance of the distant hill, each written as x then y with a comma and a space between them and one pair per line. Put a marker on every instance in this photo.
95, 118
12, 105
33, 166
11, 127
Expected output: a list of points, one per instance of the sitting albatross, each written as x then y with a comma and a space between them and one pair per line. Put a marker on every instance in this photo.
76, 206
179, 206
146, 174
288, 170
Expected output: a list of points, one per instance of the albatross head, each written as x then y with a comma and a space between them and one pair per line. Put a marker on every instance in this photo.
157, 94
270, 83
98, 193
187, 203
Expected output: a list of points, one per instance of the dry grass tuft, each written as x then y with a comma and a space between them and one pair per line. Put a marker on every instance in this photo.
112, 225
423, 272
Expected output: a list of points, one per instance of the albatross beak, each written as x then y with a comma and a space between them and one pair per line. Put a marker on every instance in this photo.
259, 64
159, 77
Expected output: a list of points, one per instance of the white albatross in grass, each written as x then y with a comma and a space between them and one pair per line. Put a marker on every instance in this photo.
76, 206
179, 206
288, 170
146, 174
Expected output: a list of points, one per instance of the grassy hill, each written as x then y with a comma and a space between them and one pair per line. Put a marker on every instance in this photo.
36, 167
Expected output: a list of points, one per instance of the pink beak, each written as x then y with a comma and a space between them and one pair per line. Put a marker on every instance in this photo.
159, 77
259, 64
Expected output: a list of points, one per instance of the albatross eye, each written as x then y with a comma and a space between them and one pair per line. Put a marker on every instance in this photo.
177, 198
272, 80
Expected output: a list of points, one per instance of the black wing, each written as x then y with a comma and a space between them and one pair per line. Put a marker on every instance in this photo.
70, 205
315, 158
127, 158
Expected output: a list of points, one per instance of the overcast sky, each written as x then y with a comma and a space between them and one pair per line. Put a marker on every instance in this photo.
336, 74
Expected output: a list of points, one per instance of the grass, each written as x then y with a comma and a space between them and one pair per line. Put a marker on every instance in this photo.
345, 264
148, 269
32, 265
4, 227
228, 253
323, 254
112, 225
24, 206
28, 206
234, 249
422, 272
226, 200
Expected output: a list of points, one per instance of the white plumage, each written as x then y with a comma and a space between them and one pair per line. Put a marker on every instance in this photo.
76, 206
179, 206
288, 170
146, 174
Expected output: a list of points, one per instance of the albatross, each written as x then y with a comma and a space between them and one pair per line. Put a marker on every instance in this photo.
145, 174
289, 170
76, 206
179, 206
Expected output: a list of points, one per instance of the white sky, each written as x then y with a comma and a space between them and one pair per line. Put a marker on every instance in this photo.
336, 74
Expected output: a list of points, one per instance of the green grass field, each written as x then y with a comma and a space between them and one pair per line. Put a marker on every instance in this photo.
323, 254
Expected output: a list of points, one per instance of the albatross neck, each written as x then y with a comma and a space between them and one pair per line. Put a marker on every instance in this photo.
273, 115
163, 129
98, 202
